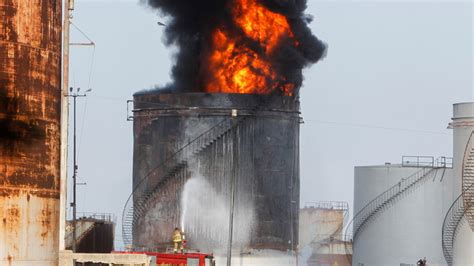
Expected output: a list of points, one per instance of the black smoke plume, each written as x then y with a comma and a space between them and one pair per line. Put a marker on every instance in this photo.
190, 24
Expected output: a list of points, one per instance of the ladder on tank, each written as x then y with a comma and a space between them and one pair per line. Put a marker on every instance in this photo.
137, 206
462, 206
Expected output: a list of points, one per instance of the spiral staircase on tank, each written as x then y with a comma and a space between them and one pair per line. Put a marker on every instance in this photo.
385, 200
462, 206
137, 206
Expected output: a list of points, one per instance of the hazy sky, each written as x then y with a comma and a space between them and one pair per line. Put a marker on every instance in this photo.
385, 90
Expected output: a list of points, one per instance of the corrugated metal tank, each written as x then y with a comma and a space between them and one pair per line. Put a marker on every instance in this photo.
267, 142
30, 76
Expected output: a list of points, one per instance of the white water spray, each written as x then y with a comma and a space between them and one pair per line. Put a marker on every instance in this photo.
205, 217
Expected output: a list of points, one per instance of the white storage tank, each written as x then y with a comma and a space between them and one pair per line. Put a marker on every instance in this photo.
463, 128
408, 228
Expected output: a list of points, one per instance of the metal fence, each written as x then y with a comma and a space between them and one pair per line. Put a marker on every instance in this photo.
107, 217
333, 237
427, 161
329, 205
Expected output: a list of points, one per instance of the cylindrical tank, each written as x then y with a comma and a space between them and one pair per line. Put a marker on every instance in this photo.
398, 233
463, 127
196, 197
30, 78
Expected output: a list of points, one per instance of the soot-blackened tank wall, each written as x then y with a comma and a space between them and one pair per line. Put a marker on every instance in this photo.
30, 78
266, 145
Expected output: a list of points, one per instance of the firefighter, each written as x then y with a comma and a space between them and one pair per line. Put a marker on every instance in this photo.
178, 237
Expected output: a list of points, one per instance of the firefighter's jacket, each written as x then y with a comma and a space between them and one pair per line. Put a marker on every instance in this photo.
177, 236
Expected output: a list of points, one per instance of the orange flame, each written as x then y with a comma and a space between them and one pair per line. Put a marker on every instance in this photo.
236, 68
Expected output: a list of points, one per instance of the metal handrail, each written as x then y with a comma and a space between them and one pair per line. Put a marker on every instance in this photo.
445, 162
330, 205
338, 237
451, 221
107, 217
427, 161
345, 209
468, 172
418, 161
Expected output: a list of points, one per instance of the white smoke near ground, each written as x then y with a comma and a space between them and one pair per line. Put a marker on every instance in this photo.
205, 218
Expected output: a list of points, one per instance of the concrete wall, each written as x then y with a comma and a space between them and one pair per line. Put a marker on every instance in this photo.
408, 229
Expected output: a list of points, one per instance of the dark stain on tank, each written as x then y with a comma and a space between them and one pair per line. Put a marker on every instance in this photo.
9, 33
30, 94
19, 131
13, 213
45, 222
12, 129
11, 223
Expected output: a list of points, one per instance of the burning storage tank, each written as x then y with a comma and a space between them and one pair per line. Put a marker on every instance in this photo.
30, 76
229, 122
188, 146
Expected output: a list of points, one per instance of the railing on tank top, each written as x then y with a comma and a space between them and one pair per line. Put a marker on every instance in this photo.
427, 161
135, 206
107, 217
329, 205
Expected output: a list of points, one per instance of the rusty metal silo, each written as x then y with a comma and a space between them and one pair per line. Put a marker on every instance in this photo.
30, 83
264, 147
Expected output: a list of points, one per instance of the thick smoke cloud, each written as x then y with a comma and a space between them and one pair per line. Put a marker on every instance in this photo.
190, 24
